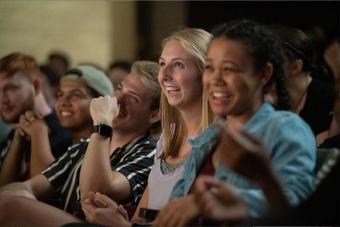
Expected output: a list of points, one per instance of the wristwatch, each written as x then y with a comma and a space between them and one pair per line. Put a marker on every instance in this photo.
103, 130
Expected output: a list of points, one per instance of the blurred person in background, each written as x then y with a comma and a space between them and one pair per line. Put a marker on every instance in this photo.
117, 71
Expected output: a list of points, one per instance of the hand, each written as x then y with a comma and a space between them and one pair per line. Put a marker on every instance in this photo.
178, 212
244, 153
99, 208
32, 125
104, 216
218, 201
19, 134
104, 110
100, 200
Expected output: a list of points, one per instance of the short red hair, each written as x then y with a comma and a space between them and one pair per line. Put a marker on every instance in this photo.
18, 62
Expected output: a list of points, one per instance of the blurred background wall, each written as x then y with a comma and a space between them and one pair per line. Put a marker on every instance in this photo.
100, 31
88, 31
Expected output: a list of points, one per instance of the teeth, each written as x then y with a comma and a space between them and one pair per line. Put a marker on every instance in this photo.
172, 89
219, 95
65, 114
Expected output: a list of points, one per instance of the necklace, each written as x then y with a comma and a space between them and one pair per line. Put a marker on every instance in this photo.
167, 168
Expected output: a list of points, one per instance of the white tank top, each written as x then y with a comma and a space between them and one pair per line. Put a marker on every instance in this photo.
160, 185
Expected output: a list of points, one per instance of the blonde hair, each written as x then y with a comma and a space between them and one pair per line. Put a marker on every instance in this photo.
148, 72
195, 41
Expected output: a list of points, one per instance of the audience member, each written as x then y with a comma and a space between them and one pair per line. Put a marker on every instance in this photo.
243, 60
311, 98
181, 65
76, 90
21, 91
320, 40
117, 71
57, 65
125, 147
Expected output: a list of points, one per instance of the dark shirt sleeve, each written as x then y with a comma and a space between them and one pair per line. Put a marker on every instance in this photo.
4, 147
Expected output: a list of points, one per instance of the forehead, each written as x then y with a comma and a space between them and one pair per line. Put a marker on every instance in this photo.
134, 84
70, 85
173, 49
224, 47
16, 78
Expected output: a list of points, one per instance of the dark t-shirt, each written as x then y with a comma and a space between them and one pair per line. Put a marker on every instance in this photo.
318, 106
332, 142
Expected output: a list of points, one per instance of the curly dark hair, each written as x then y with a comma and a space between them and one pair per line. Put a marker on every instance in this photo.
264, 47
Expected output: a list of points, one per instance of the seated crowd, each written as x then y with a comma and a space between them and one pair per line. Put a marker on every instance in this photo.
240, 118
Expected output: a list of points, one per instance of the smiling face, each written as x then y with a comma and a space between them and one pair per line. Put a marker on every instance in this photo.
179, 76
134, 99
233, 86
16, 96
73, 105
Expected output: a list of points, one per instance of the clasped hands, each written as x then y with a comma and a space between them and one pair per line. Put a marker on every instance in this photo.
30, 124
99, 208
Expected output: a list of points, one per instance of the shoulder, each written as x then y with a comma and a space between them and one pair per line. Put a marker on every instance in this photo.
282, 127
142, 143
78, 148
286, 120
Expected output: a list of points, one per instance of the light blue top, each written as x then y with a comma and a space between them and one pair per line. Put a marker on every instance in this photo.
291, 146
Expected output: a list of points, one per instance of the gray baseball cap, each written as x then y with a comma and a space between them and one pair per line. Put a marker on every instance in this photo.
94, 78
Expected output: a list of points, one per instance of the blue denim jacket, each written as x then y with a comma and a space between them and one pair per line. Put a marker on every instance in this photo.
291, 146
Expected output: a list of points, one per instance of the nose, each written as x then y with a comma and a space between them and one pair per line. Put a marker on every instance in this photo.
216, 78
165, 73
64, 100
120, 97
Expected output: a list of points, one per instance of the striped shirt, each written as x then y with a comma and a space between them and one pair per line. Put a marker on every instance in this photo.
133, 160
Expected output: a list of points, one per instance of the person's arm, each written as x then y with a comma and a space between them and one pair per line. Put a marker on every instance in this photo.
218, 201
143, 203
178, 212
13, 167
37, 187
21, 211
96, 174
248, 157
37, 130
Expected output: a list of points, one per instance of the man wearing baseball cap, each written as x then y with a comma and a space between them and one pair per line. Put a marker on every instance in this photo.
75, 92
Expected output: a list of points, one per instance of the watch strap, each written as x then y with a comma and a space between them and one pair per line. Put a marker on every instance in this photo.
103, 130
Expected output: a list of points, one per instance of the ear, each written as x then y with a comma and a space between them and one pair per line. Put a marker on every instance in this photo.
155, 116
37, 83
266, 73
296, 67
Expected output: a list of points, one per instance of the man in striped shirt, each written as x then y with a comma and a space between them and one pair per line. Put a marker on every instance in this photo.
116, 160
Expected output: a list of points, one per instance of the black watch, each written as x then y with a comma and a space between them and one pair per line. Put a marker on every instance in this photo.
103, 130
